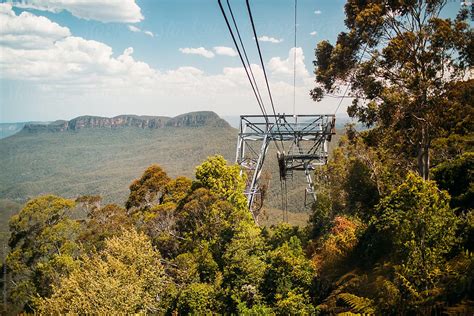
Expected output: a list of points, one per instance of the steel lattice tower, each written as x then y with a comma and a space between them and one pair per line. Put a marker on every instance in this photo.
305, 137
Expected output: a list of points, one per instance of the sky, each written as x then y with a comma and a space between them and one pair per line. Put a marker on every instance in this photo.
60, 59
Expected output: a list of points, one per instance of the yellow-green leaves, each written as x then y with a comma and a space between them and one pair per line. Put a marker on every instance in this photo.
43, 247
149, 189
223, 180
125, 278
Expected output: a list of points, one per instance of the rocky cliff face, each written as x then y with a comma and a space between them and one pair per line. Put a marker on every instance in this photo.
193, 119
196, 119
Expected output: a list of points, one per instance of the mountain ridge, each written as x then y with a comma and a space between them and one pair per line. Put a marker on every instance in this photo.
191, 119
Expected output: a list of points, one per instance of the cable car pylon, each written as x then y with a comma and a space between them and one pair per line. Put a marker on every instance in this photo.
306, 136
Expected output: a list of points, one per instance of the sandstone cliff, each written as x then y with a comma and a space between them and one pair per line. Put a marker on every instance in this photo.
192, 119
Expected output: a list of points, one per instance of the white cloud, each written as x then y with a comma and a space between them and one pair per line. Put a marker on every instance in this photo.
133, 28
313, 33
124, 11
317, 12
197, 51
149, 33
226, 51
76, 61
28, 31
284, 67
265, 38
57, 57
136, 29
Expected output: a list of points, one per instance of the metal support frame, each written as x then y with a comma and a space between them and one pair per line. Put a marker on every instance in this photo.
304, 136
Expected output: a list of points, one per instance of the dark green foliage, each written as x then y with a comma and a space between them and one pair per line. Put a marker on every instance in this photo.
380, 240
321, 216
362, 193
245, 265
457, 177
283, 232
289, 272
365, 254
409, 255
421, 226
385, 240
467, 230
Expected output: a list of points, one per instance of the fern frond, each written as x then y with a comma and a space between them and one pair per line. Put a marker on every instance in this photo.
358, 304
348, 314
408, 286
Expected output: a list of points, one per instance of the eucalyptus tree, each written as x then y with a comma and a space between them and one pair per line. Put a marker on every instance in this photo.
399, 58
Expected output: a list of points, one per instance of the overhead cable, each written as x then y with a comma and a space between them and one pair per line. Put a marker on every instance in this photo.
264, 71
242, 60
294, 65
246, 57
260, 55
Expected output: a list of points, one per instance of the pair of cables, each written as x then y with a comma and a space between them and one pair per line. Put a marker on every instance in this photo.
242, 52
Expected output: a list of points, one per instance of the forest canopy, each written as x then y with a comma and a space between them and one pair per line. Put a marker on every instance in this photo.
192, 247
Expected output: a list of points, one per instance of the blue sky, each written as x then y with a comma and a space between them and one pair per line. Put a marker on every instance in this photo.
61, 59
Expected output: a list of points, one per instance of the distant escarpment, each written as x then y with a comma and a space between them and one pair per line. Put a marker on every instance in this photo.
192, 119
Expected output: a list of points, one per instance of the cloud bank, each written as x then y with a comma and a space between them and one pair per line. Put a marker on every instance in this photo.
65, 76
124, 11
286, 67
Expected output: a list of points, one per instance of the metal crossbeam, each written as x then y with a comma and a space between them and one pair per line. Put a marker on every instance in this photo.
306, 137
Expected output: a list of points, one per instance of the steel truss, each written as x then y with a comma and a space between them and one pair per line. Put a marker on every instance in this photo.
301, 142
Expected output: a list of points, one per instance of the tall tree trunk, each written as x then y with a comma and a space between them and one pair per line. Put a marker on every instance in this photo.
423, 155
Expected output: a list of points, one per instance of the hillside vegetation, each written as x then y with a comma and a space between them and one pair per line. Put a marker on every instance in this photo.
98, 160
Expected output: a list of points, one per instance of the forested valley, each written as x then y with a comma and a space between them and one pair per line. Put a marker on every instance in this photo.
377, 242
391, 231
380, 240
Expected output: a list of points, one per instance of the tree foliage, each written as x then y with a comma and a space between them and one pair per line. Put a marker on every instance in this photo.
43, 246
104, 223
223, 180
149, 189
245, 264
126, 277
377, 243
421, 226
400, 59
380, 239
457, 177
289, 273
